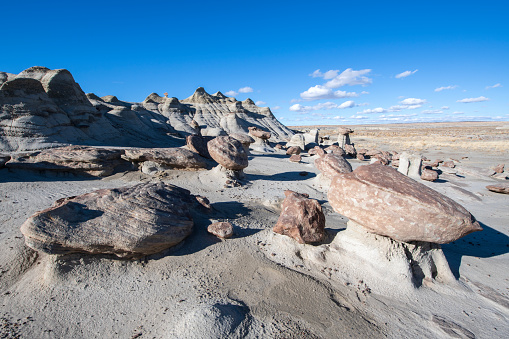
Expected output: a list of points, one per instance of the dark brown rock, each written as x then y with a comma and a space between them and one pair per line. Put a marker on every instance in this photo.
499, 188
228, 152
221, 230
331, 164
258, 133
301, 219
178, 158
128, 222
429, 175
76, 159
198, 144
389, 203
295, 158
293, 150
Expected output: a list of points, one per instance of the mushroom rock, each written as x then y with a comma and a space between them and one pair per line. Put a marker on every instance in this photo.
258, 133
429, 175
76, 159
410, 164
301, 219
499, 188
128, 222
297, 140
221, 230
261, 138
293, 150
388, 203
296, 158
350, 150
176, 158
198, 144
244, 139
331, 164
228, 152
344, 136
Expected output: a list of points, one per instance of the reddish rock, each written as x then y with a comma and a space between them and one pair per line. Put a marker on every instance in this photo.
258, 133
350, 150
317, 150
295, 158
278, 146
429, 175
228, 152
434, 164
389, 203
499, 188
381, 159
293, 150
221, 229
449, 164
336, 150
372, 152
331, 164
360, 157
198, 144
244, 139
301, 219
499, 168
362, 151
178, 158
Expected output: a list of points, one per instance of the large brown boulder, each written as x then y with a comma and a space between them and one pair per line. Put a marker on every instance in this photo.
228, 152
429, 175
350, 150
336, 150
389, 203
76, 159
128, 222
499, 188
331, 164
178, 158
198, 144
301, 218
293, 150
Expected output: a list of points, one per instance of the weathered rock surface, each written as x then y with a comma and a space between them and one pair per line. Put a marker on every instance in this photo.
128, 221
389, 203
296, 158
301, 218
259, 133
449, 164
178, 158
350, 150
293, 150
297, 140
228, 152
429, 175
331, 164
76, 159
499, 188
344, 136
317, 150
221, 229
410, 164
198, 144
499, 168
336, 150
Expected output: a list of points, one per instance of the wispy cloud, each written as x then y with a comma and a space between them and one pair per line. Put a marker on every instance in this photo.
405, 74
322, 106
233, 93
259, 103
432, 111
445, 107
321, 92
275, 108
494, 86
408, 103
413, 101
470, 100
440, 89
358, 117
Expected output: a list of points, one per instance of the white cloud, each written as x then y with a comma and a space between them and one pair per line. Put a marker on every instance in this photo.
348, 77
494, 86
259, 102
373, 110
321, 106
439, 89
358, 117
337, 117
469, 100
457, 112
445, 107
316, 74
320, 92
231, 93
405, 74
432, 111
331, 74
413, 101
276, 108
281, 118
246, 89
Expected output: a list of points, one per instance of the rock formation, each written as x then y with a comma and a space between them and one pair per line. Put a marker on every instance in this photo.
301, 218
228, 152
244, 139
170, 158
388, 203
128, 222
429, 175
295, 158
331, 164
221, 230
499, 188
293, 150
344, 136
198, 144
261, 138
297, 140
410, 164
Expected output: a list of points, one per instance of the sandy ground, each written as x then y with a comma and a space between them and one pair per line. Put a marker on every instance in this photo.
254, 285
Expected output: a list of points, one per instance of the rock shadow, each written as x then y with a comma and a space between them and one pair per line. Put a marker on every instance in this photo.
485, 244
285, 176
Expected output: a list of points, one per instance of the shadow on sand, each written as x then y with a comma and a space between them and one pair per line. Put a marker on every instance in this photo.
286, 176
485, 244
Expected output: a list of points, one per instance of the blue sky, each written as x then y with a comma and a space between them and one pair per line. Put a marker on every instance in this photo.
378, 61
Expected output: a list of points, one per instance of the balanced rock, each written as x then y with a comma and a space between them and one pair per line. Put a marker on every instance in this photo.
499, 188
331, 164
76, 159
301, 218
244, 139
198, 144
388, 203
293, 150
221, 229
228, 152
429, 175
128, 222
178, 158
259, 133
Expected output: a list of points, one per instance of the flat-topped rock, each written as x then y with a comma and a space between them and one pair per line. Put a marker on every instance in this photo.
499, 188
77, 159
128, 222
301, 218
259, 133
389, 203
228, 152
178, 158
331, 164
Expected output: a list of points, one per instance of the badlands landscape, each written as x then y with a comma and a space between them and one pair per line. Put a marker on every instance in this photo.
206, 217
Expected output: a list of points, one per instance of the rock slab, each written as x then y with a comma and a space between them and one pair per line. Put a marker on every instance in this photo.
499, 188
331, 164
388, 203
128, 222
